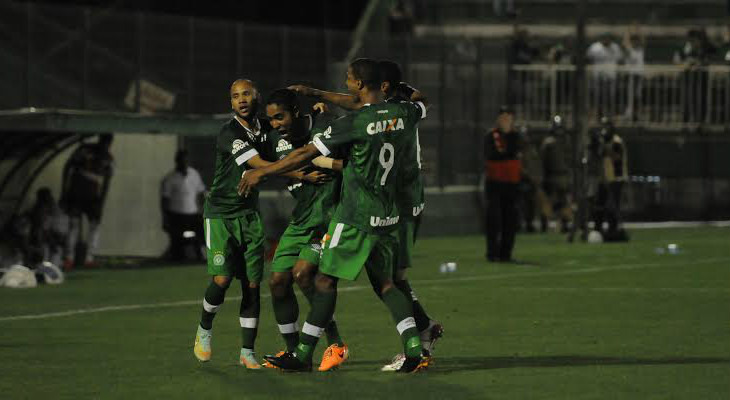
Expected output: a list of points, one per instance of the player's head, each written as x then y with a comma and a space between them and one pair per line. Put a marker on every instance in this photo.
181, 160
363, 74
390, 74
282, 109
505, 118
105, 140
244, 98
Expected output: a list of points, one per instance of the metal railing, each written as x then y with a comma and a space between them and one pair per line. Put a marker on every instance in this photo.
653, 96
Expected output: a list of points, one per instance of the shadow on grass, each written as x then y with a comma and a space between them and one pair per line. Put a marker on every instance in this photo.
455, 364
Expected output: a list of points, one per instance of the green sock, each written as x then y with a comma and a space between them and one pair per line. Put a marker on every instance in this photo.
422, 319
331, 330
402, 310
323, 307
214, 296
249, 315
286, 312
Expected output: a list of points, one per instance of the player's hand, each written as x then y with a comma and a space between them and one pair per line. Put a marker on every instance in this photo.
321, 107
301, 89
317, 177
248, 181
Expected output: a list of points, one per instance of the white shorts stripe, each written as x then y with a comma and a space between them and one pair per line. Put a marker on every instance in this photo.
312, 330
210, 307
246, 156
409, 322
321, 147
289, 328
207, 233
248, 322
336, 235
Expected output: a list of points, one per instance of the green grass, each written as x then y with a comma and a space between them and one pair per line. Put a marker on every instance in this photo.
587, 321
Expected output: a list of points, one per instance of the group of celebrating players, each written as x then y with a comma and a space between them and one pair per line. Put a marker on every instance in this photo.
358, 190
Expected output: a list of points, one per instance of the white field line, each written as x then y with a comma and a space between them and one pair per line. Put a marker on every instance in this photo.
647, 290
430, 282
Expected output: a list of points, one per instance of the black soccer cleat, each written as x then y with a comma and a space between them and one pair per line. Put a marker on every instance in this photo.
413, 364
288, 362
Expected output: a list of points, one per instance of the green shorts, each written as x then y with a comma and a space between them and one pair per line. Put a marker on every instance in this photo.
297, 243
346, 249
407, 233
235, 246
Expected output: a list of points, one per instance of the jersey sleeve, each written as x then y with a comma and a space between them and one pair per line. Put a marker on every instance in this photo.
420, 109
199, 185
165, 190
338, 133
241, 149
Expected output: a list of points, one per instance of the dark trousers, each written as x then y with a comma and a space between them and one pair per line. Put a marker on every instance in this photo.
608, 207
178, 224
502, 218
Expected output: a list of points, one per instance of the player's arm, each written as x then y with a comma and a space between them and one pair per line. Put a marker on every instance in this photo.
412, 93
329, 163
346, 101
256, 162
293, 161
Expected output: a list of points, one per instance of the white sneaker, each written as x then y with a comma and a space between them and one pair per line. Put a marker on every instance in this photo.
395, 364
202, 347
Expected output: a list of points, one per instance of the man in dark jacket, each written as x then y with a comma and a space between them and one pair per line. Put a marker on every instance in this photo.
502, 146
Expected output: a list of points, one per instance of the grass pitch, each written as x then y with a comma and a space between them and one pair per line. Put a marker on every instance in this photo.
579, 321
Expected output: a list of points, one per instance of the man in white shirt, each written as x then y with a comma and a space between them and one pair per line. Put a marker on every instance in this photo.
604, 56
181, 192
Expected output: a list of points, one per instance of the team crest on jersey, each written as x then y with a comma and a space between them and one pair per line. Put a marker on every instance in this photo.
218, 258
238, 145
387, 125
283, 145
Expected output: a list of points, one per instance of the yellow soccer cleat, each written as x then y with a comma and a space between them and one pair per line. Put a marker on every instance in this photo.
248, 359
333, 357
202, 348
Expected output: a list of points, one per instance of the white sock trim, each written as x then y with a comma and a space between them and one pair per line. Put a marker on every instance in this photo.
248, 322
312, 330
210, 307
289, 328
407, 323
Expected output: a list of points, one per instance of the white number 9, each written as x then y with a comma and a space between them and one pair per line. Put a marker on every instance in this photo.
387, 164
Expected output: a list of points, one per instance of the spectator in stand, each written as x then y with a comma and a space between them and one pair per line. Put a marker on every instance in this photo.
723, 53
604, 55
504, 8
694, 55
633, 43
520, 52
86, 178
181, 195
400, 19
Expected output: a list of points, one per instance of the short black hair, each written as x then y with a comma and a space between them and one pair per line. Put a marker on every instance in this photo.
180, 154
390, 72
367, 71
286, 98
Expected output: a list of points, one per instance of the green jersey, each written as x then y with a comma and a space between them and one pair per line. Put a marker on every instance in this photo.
410, 196
235, 145
377, 137
314, 203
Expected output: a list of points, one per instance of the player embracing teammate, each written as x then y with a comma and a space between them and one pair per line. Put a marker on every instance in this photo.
370, 222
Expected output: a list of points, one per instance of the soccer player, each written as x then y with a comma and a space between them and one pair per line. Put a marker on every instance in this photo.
234, 234
410, 197
362, 230
297, 256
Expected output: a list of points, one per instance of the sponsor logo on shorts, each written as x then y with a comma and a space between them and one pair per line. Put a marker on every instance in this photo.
283, 145
388, 221
238, 145
218, 258
418, 209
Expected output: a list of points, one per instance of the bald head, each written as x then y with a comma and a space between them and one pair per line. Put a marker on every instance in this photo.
244, 98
